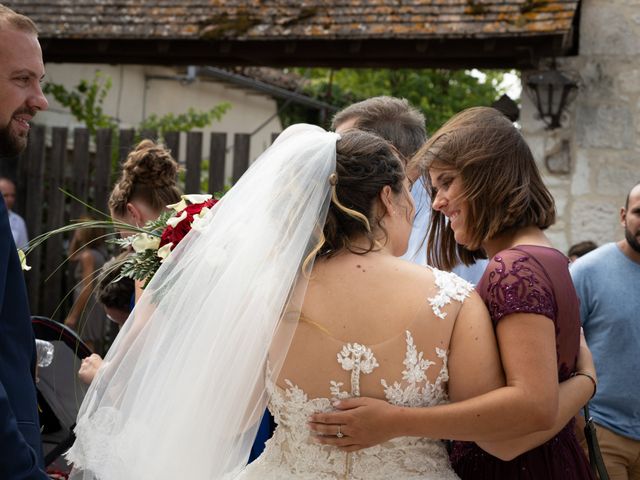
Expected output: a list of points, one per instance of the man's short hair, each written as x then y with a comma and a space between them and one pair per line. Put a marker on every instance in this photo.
626, 202
9, 18
393, 119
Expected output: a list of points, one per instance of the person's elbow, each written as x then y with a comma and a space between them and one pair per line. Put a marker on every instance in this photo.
505, 450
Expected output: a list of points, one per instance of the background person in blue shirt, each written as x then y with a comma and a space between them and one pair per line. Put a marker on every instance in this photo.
607, 281
21, 70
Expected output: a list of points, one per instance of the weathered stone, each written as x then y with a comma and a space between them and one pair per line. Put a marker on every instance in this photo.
580, 180
630, 81
606, 30
616, 177
558, 237
604, 126
593, 220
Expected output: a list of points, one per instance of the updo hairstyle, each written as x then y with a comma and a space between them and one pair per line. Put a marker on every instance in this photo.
365, 164
149, 175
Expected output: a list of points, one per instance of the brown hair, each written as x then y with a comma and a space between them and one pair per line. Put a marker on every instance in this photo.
148, 174
112, 293
393, 119
500, 182
9, 18
581, 248
365, 164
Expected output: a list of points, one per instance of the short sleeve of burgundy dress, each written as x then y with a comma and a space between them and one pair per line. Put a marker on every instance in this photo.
531, 279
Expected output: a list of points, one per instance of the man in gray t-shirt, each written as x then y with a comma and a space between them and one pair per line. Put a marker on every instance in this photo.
607, 281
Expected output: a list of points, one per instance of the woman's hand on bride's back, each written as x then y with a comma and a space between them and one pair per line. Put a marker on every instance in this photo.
358, 423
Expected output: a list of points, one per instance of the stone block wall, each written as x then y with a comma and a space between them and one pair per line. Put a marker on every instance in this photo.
594, 159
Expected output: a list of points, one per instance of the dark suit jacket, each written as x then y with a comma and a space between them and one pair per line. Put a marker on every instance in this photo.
20, 444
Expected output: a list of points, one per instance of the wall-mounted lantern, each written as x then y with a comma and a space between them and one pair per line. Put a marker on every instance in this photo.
551, 92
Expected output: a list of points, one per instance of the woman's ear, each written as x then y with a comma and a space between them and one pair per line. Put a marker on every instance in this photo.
386, 200
135, 214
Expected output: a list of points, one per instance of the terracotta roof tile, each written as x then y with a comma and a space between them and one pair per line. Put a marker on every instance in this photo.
297, 19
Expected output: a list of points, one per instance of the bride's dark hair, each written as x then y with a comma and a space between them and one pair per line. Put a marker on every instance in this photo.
365, 164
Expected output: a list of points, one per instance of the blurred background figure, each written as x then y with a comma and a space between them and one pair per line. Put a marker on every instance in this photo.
580, 249
87, 254
117, 299
16, 222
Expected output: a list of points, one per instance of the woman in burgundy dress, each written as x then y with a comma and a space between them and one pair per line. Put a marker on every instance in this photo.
489, 199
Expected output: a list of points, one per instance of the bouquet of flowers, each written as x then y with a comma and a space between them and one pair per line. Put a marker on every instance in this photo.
153, 245
149, 245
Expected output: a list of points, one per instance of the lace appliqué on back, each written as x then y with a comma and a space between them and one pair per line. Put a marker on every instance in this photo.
419, 392
451, 287
517, 289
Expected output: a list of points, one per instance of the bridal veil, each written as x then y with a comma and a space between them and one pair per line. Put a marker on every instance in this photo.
182, 389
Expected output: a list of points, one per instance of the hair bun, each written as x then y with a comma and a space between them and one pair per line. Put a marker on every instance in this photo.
150, 164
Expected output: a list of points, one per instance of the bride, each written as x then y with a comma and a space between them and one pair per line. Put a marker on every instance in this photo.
290, 293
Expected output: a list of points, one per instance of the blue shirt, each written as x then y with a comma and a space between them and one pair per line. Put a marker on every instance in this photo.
608, 285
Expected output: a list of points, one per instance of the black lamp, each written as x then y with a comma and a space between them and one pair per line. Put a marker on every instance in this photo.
551, 92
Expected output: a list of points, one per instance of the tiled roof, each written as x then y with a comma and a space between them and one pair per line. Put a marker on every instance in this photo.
297, 19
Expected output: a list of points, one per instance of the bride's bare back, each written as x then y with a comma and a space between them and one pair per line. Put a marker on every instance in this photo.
404, 318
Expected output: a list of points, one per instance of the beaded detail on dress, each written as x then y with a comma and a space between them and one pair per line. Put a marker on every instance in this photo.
290, 453
514, 287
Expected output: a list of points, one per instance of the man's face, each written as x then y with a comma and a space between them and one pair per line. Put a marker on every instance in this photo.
21, 70
630, 219
8, 191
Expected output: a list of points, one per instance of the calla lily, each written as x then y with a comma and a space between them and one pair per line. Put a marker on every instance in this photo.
197, 198
174, 221
144, 242
164, 251
23, 261
178, 207
199, 219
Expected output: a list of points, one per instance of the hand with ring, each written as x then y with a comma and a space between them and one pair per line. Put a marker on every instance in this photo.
339, 434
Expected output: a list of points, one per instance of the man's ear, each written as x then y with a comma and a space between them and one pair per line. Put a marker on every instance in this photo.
623, 217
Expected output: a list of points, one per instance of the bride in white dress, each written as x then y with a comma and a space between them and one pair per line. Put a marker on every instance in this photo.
290, 293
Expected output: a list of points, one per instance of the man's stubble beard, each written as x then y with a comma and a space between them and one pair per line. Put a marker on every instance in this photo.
632, 240
11, 144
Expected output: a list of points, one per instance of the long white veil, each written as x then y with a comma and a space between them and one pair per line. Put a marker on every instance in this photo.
181, 392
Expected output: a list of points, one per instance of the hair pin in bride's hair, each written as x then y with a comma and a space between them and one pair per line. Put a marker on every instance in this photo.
333, 179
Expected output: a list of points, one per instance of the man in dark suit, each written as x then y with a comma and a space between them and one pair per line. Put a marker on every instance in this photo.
21, 70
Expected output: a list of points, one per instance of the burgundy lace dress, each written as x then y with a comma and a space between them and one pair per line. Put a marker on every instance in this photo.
531, 279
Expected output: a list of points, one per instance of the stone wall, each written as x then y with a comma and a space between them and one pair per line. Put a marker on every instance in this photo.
594, 159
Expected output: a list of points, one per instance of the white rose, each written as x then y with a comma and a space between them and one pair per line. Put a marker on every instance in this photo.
143, 241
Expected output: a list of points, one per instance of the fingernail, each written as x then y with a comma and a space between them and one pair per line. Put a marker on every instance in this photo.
336, 403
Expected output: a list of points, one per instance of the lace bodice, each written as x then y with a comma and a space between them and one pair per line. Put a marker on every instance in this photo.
292, 454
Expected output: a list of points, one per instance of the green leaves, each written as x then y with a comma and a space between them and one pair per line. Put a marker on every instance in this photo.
85, 101
438, 93
184, 122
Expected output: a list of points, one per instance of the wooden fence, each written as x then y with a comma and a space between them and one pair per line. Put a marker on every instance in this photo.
87, 173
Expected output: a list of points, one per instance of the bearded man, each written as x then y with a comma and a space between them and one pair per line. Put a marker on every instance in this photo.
21, 70
608, 283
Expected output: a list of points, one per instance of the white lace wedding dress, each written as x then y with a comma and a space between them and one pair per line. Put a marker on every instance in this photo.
290, 453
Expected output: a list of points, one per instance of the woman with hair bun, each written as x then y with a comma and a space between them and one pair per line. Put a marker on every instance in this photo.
146, 186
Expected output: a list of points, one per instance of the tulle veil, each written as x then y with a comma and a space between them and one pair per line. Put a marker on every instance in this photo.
182, 389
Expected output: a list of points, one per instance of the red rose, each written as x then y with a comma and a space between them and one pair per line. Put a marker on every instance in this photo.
175, 234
